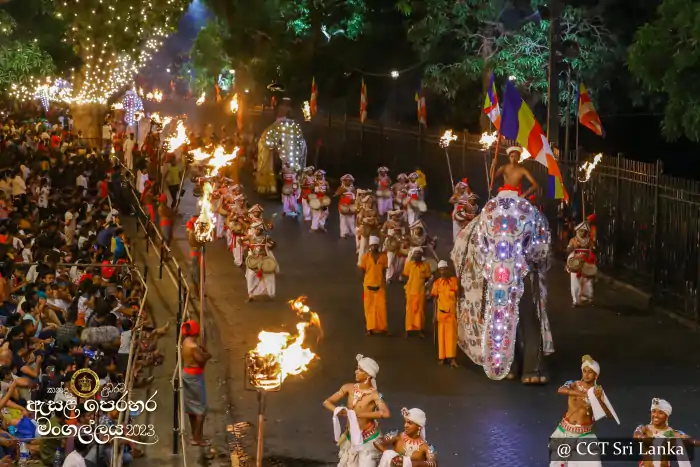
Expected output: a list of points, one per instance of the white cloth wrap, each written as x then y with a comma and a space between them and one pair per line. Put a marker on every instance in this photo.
389, 455
364, 455
566, 434
679, 442
598, 411
353, 426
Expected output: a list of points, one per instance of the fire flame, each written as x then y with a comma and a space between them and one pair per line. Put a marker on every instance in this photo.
141, 92
303, 311
157, 95
202, 98
588, 166
447, 138
149, 96
487, 139
166, 121
306, 108
156, 117
179, 138
234, 103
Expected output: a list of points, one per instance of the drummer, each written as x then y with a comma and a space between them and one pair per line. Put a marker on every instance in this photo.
307, 185
398, 190
385, 201
290, 191
346, 206
319, 214
459, 200
581, 260
260, 277
237, 222
414, 205
395, 232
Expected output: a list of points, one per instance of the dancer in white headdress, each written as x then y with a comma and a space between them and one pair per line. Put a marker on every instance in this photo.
587, 404
346, 206
307, 187
409, 448
657, 430
365, 407
581, 264
385, 200
319, 201
290, 191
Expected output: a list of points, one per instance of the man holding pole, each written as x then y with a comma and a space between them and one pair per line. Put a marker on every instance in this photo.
513, 174
194, 357
444, 291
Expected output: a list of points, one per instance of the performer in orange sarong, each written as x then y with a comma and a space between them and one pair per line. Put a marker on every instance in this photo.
445, 292
417, 272
374, 264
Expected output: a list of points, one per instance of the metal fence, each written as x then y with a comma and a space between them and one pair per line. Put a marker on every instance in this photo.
648, 224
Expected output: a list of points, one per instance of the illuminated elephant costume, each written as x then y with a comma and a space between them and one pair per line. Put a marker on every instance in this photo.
285, 140
501, 259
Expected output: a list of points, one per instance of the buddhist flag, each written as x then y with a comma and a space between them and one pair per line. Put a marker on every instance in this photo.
587, 114
363, 102
422, 112
312, 102
518, 123
491, 108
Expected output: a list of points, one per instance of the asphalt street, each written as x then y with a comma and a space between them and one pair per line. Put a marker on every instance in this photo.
471, 420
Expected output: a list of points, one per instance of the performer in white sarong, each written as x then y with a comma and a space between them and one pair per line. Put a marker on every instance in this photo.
319, 213
409, 448
307, 187
658, 433
346, 206
385, 200
260, 280
587, 404
236, 229
395, 233
290, 191
581, 264
221, 205
365, 407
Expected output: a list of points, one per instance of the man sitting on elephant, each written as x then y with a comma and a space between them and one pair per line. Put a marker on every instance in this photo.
513, 174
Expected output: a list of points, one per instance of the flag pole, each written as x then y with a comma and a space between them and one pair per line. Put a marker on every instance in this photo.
578, 115
492, 172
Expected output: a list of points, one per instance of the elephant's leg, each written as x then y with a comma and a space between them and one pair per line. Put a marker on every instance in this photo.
530, 337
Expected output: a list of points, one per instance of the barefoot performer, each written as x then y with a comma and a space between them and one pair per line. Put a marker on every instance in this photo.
409, 448
445, 290
587, 403
658, 429
417, 273
194, 357
365, 407
374, 263
513, 174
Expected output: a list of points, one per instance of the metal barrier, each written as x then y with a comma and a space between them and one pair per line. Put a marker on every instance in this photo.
170, 265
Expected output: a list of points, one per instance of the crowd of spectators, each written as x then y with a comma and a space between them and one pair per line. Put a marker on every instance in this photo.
69, 297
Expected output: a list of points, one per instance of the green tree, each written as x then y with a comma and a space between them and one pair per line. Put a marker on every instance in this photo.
207, 56
665, 59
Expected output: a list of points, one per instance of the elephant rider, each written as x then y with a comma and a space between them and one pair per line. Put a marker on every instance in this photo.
587, 403
513, 173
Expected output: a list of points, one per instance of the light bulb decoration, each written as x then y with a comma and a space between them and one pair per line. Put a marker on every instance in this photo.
133, 107
286, 137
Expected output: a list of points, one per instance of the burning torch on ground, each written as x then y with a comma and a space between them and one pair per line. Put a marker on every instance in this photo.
445, 141
277, 356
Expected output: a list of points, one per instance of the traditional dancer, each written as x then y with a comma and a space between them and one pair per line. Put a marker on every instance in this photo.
319, 202
414, 205
409, 448
346, 206
222, 200
399, 190
417, 273
237, 227
385, 200
445, 290
658, 429
465, 207
581, 264
418, 238
365, 407
290, 191
373, 264
513, 174
368, 225
587, 403
261, 265
395, 236
307, 187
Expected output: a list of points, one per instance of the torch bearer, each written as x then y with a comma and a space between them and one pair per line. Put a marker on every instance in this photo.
445, 141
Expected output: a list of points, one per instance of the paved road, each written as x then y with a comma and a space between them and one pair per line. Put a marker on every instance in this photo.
472, 421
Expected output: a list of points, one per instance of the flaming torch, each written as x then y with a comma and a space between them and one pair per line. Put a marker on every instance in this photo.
306, 108
179, 138
157, 95
586, 170
445, 141
486, 141
234, 104
277, 356
202, 98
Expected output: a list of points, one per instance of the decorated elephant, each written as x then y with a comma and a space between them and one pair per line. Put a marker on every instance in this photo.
285, 140
501, 259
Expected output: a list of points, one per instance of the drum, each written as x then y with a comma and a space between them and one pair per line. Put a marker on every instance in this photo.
574, 264
392, 244
404, 250
236, 227
346, 209
353, 209
432, 262
366, 230
459, 216
314, 202
287, 190
383, 193
268, 265
419, 205
253, 262
325, 201
589, 270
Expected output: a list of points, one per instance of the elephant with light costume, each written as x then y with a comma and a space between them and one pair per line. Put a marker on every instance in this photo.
501, 259
284, 139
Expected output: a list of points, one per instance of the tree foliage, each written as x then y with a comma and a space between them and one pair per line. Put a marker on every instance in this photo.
207, 56
462, 41
665, 59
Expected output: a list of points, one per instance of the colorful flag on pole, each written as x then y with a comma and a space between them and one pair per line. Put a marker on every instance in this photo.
363, 102
422, 112
312, 102
519, 123
587, 114
491, 107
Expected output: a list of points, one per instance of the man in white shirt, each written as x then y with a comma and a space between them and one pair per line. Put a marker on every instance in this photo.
70, 221
19, 188
129, 145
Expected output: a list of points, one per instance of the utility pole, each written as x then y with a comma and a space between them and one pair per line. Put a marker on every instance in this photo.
555, 11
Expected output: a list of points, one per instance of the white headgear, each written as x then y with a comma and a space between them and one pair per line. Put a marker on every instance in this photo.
320, 172
348, 177
588, 362
369, 366
583, 226
374, 240
443, 264
413, 175
662, 405
517, 149
401, 177
309, 169
416, 416
382, 169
